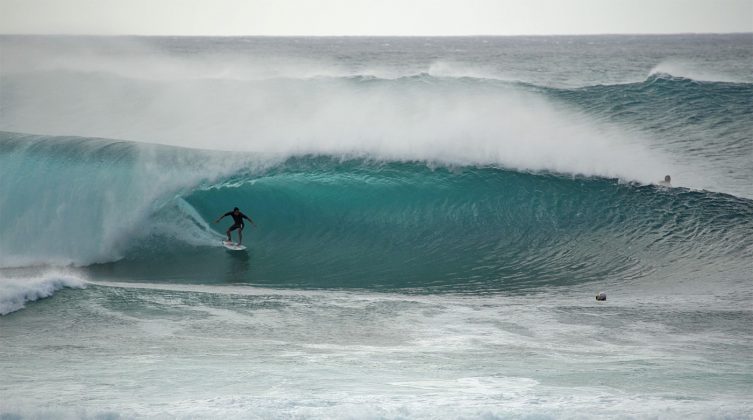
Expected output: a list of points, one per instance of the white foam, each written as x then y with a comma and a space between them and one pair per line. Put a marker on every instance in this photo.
354, 355
15, 292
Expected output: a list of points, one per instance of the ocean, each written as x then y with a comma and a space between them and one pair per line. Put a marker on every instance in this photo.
435, 216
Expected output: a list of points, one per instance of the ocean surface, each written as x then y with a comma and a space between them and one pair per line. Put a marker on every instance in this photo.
434, 218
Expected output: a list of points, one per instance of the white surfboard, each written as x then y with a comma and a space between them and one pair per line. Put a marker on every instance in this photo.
232, 246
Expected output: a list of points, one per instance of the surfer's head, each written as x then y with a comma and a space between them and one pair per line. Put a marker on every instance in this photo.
667, 178
235, 210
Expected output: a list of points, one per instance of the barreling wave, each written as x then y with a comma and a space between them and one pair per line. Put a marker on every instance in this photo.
143, 212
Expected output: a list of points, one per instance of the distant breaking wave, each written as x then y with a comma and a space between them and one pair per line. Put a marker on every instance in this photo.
694, 72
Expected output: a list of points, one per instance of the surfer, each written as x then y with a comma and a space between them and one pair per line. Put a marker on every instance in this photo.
237, 223
667, 181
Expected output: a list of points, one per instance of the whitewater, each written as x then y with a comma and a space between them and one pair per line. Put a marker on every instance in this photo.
435, 217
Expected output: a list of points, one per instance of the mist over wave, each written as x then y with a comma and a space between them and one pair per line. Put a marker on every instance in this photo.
570, 61
417, 118
461, 101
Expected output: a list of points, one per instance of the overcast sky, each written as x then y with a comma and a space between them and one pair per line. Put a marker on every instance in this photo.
373, 17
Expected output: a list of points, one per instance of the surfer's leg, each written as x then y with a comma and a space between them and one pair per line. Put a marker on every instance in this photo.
240, 235
232, 228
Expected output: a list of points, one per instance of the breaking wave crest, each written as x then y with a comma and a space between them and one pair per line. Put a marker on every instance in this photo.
16, 291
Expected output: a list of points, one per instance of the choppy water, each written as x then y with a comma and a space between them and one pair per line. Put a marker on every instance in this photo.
434, 217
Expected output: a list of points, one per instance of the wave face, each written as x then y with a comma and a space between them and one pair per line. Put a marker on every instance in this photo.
145, 211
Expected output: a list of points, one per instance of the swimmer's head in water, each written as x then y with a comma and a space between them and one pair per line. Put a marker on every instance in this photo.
667, 178
601, 296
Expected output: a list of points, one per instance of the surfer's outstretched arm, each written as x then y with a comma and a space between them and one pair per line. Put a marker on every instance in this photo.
222, 217
249, 219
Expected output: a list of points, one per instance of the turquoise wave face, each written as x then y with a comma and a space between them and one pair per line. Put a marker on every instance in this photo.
140, 212
360, 224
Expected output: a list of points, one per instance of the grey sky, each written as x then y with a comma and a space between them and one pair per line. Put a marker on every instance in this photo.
373, 17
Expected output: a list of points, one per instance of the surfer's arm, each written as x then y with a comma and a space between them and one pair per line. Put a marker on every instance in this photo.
249, 219
221, 217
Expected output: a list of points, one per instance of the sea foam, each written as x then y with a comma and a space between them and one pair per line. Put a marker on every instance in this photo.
16, 291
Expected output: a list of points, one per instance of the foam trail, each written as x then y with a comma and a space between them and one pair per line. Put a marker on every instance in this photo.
15, 291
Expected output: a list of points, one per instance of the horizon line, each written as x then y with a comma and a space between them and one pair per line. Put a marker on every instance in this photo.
375, 36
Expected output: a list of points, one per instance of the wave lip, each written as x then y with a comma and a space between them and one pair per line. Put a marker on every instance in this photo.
15, 292
695, 72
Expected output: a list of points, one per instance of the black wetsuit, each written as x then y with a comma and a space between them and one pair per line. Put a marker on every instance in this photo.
237, 219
